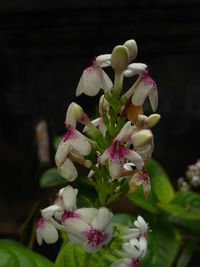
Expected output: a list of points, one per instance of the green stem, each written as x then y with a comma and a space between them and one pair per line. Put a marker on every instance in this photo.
87, 259
118, 83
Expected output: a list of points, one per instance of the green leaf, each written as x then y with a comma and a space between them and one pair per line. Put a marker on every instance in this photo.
161, 184
163, 246
148, 203
72, 255
187, 253
123, 218
13, 254
52, 178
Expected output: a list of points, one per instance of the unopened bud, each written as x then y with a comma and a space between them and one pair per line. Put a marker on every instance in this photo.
132, 49
153, 119
120, 58
141, 138
74, 113
87, 163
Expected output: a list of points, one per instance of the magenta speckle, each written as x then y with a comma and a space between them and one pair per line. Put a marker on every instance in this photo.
69, 215
117, 151
90, 69
143, 176
135, 263
70, 134
95, 237
41, 223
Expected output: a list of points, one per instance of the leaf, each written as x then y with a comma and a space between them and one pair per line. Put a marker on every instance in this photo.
163, 246
123, 218
187, 253
51, 178
161, 184
148, 203
13, 254
72, 255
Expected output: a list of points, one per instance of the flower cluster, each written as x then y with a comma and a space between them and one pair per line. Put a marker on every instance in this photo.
192, 177
115, 146
88, 227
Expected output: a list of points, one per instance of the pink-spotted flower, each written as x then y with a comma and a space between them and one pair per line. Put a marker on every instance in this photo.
73, 145
47, 226
132, 253
118, 153
68, 209
140, 230
146, 87
136, 69
92, 236
94, 78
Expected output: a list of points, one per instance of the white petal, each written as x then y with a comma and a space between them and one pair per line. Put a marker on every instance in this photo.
79, 89
141, 224
48, 233
75, 226
49, 212
153, 97
91, 81
143, 245
67, 170
132, 248
39, 236
103, 219
135, 158
90, 249
125, 132
141, 93
87, 214
103, 59
121, 263
131, 234
76, 239
115, 168
63, 149
103, 157
69, 198
136, 69
95, 122
106, 83
81, 144
109, 232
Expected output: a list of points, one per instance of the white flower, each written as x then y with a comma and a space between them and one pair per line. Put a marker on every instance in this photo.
118, 152
46, 231
94, 78
73, 143
132, 252
140, 230
146, 87
92, 236
136, 69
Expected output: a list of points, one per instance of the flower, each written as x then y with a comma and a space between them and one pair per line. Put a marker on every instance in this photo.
118, 152
74, 145
94, 78
145, 87
140, 230
136, 69
132, 253
92, 236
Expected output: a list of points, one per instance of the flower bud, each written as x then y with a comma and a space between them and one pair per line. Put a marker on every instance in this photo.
141, 138
153, 119
74, 113
132, 49
120, 58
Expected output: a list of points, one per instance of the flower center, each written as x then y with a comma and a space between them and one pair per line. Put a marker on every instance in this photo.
148, 81
117, 151
135, 263
70, 214
41, 223
95, 237
70, 134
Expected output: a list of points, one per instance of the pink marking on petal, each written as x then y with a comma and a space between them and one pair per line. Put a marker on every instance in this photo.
95, 237
90, 69
41, 223
148, 81
69, 215
134, 263
143, 175
70, 134
117, 151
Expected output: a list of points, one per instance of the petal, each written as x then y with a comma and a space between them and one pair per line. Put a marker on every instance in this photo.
95, 122
143, 246
49, 212
67, 170
106, 83
136, 69
131, 234
141, 224
75, 226
132, 248
141, 93
90, 249
63, 149
121, 263
91, 81
135, 158
81, 144
103, 219
109, 232
103, 60
39, 236
115, 168
103, 157
87, 214
69, 198
48, 233
125, 132
76, 239
153, 97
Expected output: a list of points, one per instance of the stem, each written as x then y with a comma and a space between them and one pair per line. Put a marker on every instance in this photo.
131, 91
118, 83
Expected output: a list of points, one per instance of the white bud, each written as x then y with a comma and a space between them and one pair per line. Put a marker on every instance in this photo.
132, 48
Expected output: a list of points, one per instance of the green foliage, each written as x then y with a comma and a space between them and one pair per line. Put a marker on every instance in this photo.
72, 255
163, 246
186, 253
13, 254
56, 141
123, 219
52, 178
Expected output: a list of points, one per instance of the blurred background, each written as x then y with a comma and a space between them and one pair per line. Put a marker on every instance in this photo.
44, 47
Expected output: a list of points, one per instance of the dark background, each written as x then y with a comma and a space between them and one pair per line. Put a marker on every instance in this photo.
44, 47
